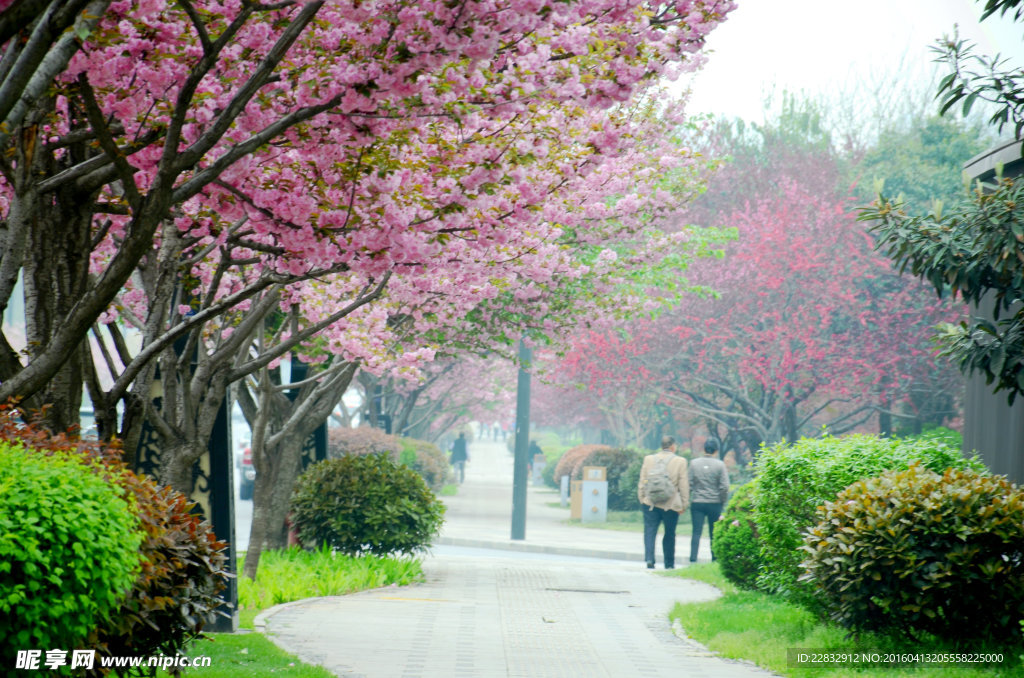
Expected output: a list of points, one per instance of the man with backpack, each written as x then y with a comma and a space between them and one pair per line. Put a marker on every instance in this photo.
664, 492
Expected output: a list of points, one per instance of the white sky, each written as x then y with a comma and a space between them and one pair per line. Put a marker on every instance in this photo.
815, 45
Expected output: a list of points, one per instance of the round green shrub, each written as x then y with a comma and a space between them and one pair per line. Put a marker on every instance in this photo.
547, 474
553, 453
737, 543
365, 504
69, 549
182, 569
914, 550
426, 459
795, 479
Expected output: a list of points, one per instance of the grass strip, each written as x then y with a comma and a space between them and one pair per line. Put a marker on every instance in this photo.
248, 654
294, 573
759, 628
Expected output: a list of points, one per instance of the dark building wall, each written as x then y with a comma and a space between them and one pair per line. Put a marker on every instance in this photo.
992, 427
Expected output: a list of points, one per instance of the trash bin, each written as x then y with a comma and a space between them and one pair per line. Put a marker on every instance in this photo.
539, 462
594, 495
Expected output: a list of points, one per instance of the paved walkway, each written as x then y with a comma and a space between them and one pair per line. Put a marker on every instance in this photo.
566, 601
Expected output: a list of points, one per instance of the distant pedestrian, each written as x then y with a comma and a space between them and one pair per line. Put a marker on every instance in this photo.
532, 453
709, 487
534, 450
664, 492
460, 455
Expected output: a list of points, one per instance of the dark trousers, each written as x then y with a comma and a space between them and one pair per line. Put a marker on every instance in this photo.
653, 517
700, 510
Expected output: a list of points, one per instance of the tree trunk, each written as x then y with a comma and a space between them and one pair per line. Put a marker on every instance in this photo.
789, 423
279, 465
177, 459
885, 421
401, 417
58, 240
271, 501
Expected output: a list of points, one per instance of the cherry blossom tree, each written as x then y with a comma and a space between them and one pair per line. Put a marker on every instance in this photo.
452, 392
371, 172
284, 129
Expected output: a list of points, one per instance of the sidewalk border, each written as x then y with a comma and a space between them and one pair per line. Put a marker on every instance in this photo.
526, 547
259, 623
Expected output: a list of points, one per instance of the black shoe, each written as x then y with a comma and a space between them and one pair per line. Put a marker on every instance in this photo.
670, 567
693, 560
650, 565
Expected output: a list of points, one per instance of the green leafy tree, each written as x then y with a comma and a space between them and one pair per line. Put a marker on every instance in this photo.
920, 162
976, 77
975, 249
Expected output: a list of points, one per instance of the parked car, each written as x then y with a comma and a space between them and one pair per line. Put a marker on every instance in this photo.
248, 474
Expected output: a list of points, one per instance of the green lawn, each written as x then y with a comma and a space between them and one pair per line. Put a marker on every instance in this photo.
250, 655
760, 628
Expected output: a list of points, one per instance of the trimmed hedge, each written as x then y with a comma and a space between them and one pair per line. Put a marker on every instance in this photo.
572, 460
913, 550
69, 549
361, 441
617, 463
737, 542
365, 504
427, 459
795, 479
552, 454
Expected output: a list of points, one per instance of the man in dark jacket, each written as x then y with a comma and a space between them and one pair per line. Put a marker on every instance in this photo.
709, 490
460, 455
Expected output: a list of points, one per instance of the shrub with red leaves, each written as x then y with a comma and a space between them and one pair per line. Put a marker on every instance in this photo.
362, 441
572, 460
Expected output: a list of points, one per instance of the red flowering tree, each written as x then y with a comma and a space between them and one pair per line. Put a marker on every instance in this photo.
809, 328
621, 393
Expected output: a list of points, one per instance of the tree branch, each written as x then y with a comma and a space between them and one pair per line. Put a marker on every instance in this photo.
305, 334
